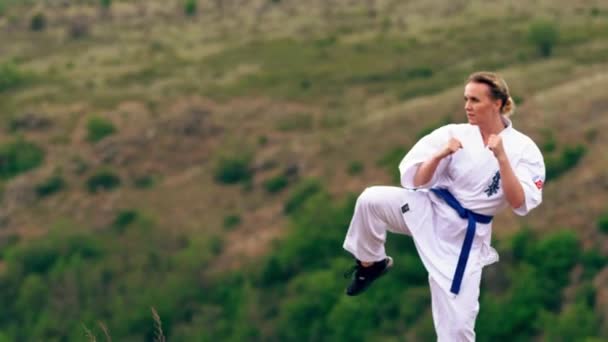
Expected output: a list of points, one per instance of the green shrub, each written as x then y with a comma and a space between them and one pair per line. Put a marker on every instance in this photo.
231, 221
549, 143
536, 279
593, 262
276, 184
602, 223
572, 155
98, 128
303, 317
522, 243
355, 168
105, 3
554, 256
38, 22
103, 180
144, 182
33, 293
568, 159
19, 156
392, 158
123, 219
301, 193
190, 7
38, 259
544, 35
10, 77
233, 169
41, 255
576, 322
326, 42
50, 186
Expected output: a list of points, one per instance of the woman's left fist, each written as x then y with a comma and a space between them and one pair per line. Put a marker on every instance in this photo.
495, 145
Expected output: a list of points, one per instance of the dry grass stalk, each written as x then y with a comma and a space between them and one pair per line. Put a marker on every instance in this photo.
104, 328
158, 329
89, 334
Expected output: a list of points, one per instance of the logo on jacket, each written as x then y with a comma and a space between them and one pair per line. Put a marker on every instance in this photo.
494, 186
538, 181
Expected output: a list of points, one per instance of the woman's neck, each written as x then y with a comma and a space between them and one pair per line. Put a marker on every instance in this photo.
493, 127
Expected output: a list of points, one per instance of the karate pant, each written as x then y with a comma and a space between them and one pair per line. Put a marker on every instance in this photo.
378, 210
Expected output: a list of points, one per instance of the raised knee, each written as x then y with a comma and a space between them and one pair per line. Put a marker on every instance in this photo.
368, 198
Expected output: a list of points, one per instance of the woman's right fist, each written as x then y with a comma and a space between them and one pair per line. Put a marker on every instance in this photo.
452, 146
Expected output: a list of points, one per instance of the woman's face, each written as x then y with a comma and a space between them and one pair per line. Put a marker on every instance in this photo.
480, 107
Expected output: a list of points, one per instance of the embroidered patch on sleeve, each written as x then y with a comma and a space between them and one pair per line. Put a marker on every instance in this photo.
538, 181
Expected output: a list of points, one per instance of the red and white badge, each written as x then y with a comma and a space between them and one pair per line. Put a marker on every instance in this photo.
538, 181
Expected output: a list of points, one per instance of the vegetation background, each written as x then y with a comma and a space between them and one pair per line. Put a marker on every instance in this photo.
187, 169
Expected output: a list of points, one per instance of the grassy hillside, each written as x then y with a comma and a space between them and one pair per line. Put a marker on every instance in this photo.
163, 141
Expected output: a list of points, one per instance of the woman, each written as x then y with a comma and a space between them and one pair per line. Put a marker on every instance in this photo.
454, 180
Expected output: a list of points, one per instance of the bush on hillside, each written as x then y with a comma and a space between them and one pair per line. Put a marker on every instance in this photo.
99, 128
593, 262
304, 190
576, 322
231, 221
10, 77
602, 223
544, 35
521, 244
123, 219
233, 169
355, 167
19, 156
50, 186
276, 184
40, 256
557, 165
103, 180
145, 181
537, 277
190, 7
105, 3
38, 22
549, 143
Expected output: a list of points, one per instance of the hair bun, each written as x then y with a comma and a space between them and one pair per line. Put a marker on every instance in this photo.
509, 107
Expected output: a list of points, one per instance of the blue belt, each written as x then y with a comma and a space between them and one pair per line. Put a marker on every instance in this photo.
473, 218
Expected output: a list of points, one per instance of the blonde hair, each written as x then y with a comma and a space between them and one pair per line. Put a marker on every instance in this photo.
498, 89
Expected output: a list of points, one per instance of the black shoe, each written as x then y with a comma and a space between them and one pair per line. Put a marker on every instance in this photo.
364, 276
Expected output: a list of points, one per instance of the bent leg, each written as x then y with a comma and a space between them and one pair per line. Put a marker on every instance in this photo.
377, 210
454, 316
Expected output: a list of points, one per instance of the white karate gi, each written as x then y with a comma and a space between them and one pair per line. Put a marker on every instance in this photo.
471, 175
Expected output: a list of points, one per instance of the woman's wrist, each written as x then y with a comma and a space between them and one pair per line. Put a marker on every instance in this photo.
441, 154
